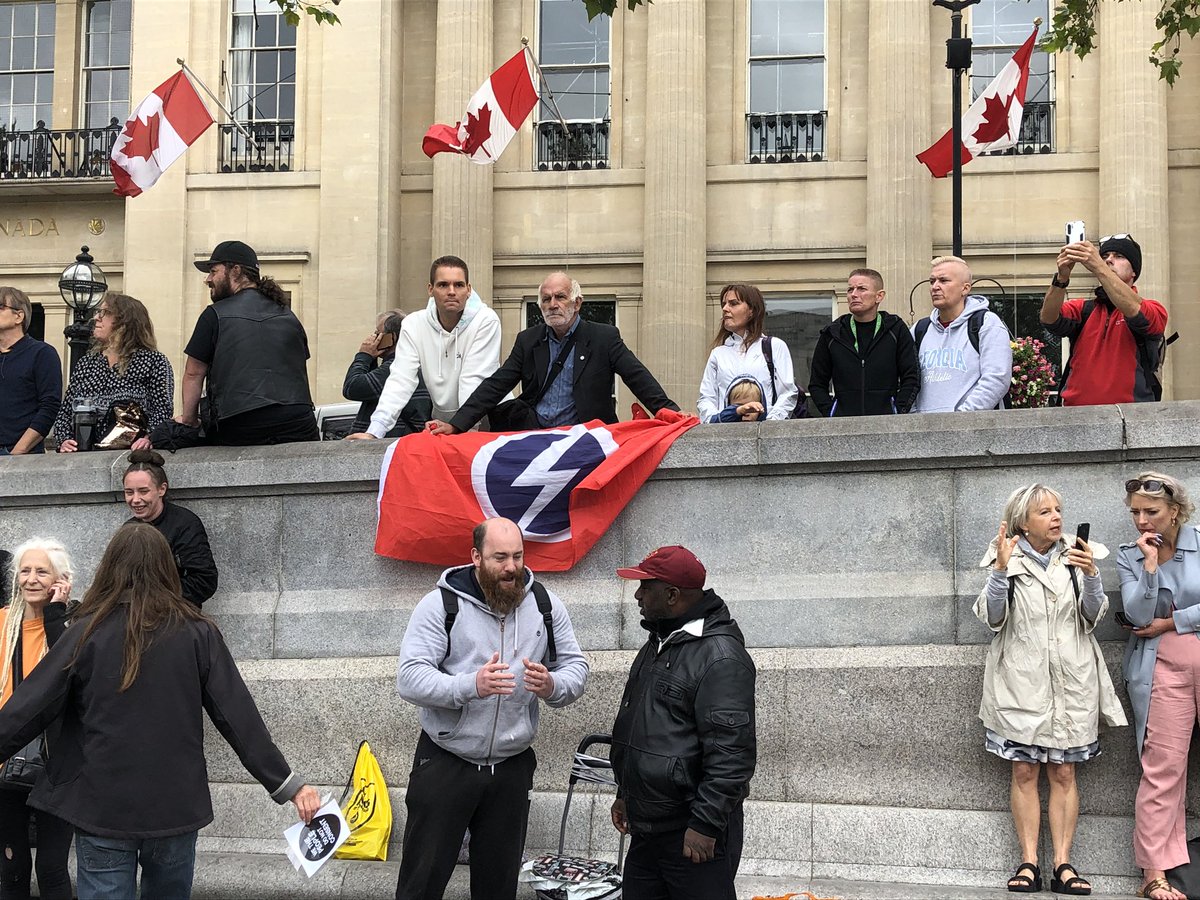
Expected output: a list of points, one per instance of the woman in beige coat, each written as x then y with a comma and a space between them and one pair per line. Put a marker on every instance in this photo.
1045, 684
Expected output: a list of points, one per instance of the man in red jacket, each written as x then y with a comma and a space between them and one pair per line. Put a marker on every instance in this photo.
1115, 338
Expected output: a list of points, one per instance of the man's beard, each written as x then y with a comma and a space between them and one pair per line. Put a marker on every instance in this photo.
502, 598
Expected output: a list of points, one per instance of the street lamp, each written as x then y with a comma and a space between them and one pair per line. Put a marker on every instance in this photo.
82, 286
958, 59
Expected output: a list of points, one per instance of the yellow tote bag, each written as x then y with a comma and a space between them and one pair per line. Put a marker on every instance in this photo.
367, 808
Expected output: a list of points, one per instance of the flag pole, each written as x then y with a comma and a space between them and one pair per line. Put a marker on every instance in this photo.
192, 76
546, 85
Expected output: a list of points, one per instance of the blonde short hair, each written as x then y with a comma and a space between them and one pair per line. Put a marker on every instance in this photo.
745, 392
942, 260
1021, 501
1173, 492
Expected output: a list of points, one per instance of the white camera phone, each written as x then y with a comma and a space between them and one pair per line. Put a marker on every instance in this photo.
1075, 232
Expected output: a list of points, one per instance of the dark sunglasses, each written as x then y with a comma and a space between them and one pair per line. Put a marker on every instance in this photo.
1149, 486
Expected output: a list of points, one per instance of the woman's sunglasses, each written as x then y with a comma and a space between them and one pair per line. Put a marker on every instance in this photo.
1149, 486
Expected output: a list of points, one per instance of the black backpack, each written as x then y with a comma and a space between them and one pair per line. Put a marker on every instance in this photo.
450, 604
974, 326
1152, 353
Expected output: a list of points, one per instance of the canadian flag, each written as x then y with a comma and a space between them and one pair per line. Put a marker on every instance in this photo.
493, 115
162, 127
994, 120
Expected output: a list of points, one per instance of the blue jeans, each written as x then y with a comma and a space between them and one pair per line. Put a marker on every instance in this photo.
107, 867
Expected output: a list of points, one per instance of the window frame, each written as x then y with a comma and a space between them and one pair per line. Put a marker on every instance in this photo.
46, 105
86, 70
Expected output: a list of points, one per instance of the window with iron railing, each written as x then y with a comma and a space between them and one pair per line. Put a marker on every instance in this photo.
106, 62
40, 153
262, 78
574, 58
786, 113
998, 28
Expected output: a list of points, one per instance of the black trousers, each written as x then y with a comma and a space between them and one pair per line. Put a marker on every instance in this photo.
446, 796
656, 869
16, 864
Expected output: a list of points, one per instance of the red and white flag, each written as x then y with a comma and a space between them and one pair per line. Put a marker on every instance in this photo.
162, 127
994, 120
562, 486
493, 115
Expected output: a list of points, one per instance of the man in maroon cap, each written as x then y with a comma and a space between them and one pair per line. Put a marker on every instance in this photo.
683, 743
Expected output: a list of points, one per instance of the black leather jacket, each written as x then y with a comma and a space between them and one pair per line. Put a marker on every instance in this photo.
684, 740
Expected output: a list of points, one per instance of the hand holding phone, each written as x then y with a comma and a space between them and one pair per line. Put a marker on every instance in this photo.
1123, 620
1082, 533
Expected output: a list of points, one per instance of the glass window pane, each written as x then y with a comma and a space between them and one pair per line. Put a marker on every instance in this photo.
6, 20
581, 94
98, 84
23, 50
787, 27
23, 86
122, 14
118, 49
287, 34
787, 86
1005, 22
287, 101
986, 64
98, 50
45, 18
6, 92
287, 66
568, 37
24, 18
5, 54
120, 85
99, 15
45, 53
45, 87
243, 32
264, 34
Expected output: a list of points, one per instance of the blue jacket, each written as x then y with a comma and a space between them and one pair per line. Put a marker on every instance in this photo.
31, 385
1173, 590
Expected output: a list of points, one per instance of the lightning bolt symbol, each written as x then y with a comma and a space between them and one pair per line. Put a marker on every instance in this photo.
543, 471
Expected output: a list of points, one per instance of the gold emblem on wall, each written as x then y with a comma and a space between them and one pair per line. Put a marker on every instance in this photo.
96, 226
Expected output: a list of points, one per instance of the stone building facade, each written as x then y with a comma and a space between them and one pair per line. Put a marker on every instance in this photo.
708, 141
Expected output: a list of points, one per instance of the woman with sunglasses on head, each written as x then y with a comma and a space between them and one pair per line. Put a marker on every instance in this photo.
1160, 590
369, 372
1045, 685
124, 365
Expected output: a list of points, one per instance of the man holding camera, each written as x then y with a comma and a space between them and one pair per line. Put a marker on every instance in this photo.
1116, 338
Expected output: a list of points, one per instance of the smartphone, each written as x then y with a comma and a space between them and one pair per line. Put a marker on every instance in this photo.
1075, 232
1082, 533
1123, 620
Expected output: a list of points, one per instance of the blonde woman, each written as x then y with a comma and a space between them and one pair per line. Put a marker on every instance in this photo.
1160, 590
33, 620
1045, 684
123, 365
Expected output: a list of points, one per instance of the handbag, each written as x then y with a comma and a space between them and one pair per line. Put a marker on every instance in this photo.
367, 808
521, 414
125, 422
23, 768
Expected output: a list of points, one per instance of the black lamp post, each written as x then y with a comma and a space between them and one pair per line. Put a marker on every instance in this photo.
82, 286
958, 58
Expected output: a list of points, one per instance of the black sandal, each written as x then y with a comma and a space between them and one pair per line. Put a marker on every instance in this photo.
1076, 884
1026, 884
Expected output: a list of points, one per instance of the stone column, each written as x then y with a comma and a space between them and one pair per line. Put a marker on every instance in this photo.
1133, 145
462, 190
674, 260
899, 238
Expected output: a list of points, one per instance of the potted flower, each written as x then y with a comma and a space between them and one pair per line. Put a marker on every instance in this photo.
1032, 375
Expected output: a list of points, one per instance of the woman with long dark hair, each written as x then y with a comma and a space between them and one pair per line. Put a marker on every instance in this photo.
123, 365
129, 680
33, 620
742, 350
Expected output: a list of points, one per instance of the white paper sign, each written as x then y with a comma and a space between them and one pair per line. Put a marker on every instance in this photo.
309, 846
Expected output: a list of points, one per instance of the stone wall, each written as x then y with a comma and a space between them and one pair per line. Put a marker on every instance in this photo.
848, 551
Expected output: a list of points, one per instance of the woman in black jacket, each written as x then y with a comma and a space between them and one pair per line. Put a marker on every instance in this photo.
33, 620
145, 485
129, 680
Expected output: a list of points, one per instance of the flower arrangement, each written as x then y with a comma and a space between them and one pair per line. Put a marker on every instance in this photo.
1032, 375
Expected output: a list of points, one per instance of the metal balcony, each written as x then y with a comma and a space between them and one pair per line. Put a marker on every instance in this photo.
786, 137
42, 154
269, 148
583, 146
1037, 130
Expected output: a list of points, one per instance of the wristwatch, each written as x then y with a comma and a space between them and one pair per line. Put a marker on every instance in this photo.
1060, 284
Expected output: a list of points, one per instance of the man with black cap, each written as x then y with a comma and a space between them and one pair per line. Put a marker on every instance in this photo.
253, 351
1115, 338
684, 743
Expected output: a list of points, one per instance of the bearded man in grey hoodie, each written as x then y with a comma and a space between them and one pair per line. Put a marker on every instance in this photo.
965, 350
474, 765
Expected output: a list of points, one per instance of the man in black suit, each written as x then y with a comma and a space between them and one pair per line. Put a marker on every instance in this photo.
583, 390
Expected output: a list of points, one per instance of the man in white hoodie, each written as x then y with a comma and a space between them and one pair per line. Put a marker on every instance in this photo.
965, 349
454, 345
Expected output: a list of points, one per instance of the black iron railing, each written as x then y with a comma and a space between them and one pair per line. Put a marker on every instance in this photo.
1037, 130
268, 149
786, 137
583, 146
45, 154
